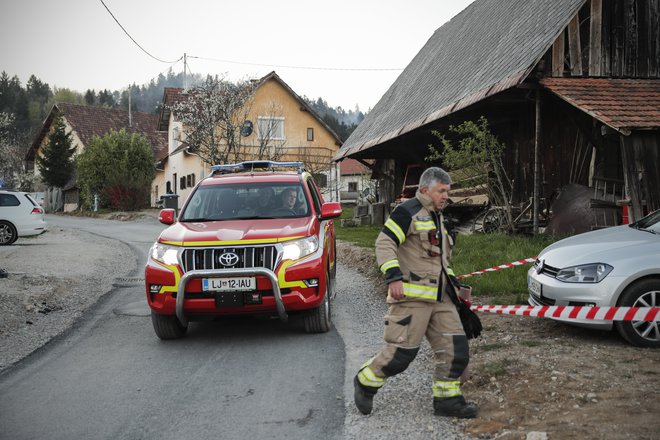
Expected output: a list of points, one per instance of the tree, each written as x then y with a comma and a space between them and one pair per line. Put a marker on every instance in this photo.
12, 168
67, 95
105, 99
90, 97
477, 159
212, 117
118, 168
55, 162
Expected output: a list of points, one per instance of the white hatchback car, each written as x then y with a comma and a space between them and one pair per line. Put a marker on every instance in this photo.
618, 266
20, 216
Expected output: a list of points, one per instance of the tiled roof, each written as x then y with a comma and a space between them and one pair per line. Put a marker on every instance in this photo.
492, 45
88, 121
620, 103
171, 96
351, 167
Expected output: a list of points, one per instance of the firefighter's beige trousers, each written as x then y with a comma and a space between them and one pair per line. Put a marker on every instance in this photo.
405, 325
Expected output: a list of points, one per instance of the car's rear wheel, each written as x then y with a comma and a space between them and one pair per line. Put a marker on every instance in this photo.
8, 233
645, 293
318, 320
167, 326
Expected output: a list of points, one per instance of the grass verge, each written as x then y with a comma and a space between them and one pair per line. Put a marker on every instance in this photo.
472, 253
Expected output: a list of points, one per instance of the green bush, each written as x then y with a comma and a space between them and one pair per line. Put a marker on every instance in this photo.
119, 168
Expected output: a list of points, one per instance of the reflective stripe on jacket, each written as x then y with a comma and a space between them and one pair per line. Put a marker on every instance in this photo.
410, 248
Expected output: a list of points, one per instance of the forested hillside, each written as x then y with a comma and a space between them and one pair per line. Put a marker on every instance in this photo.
30, 104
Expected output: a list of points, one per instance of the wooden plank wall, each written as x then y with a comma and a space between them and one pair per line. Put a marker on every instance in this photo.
631, 38
620, 37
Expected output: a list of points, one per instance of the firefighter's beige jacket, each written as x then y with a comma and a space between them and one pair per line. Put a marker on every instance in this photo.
409, 248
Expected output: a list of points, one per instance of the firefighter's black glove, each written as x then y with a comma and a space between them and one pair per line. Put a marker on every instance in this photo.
455, 281
470, 321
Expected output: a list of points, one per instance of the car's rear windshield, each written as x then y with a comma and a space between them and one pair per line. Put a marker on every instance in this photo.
246, 201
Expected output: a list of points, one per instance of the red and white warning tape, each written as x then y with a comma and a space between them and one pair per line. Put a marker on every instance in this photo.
500, 267
648, 314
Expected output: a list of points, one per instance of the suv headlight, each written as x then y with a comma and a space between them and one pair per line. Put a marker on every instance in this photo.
164, 253
584, 273
296, 249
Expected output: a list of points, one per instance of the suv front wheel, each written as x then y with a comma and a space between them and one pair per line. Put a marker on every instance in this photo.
318, 320
167, 326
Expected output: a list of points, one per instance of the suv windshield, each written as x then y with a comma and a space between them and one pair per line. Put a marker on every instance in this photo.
246, 201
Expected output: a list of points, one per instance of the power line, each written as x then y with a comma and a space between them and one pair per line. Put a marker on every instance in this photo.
133, 39
282, 66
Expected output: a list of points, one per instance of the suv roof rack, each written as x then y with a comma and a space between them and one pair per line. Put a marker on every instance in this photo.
254, 164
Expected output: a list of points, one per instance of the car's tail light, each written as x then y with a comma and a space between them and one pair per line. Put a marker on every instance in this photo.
37, 211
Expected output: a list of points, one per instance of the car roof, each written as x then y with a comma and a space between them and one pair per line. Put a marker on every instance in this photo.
255, 177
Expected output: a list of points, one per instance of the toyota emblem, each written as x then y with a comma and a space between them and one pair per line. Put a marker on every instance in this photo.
228, 259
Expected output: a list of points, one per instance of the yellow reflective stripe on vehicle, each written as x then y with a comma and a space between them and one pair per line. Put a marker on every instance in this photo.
424, 225
446, 388
450, 271
177, 277
420, 291
281, 277
232, 242
396, 230
367, 378
389, 265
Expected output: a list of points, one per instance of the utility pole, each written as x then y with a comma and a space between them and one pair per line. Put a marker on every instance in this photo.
130, 115
185, 66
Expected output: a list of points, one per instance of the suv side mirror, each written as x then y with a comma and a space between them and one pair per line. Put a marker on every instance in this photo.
330, 210
166, 216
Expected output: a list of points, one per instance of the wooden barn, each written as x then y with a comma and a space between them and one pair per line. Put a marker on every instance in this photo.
572, 87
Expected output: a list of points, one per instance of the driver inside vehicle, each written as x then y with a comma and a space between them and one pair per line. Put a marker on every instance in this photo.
289, 199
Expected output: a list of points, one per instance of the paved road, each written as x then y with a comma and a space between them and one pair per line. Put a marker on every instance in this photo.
111, 378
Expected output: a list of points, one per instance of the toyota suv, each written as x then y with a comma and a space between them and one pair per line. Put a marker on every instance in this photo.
252, 239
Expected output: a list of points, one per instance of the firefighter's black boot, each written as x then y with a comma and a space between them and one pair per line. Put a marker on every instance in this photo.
455, 407
364, 397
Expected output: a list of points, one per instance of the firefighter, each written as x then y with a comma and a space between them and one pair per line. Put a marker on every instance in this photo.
413, 251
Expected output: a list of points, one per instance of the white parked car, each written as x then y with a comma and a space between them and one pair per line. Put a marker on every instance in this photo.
618, 266
20, 216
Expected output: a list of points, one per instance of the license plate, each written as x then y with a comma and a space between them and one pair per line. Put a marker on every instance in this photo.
534, 286
238, 284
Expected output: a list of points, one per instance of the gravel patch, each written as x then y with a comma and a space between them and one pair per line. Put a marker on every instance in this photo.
403, 408
52, 279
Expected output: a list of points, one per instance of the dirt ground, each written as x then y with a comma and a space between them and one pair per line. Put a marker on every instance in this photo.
535, 374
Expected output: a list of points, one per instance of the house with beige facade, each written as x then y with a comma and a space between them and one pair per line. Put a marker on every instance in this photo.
84, 122
295, 133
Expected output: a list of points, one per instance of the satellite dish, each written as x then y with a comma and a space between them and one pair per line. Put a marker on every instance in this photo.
246, 128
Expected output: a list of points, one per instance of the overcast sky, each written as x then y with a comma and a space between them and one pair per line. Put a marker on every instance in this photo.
78, 45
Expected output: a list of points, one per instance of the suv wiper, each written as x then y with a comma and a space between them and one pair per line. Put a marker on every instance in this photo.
253, 217
191, 220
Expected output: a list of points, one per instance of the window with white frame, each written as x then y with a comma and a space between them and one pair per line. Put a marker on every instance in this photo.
271, 128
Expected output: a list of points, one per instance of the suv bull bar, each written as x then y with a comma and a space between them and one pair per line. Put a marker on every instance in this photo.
180, 296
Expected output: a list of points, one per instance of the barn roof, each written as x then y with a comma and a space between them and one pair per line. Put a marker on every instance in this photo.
623, 104
491, 46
